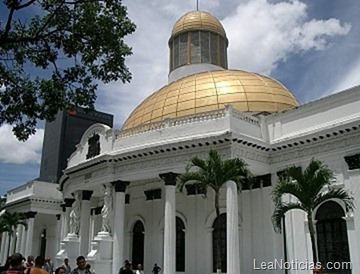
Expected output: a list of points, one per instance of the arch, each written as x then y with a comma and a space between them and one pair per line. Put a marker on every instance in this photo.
219, 238
211, 218
178, 214
132, 221
332, 240
138, 244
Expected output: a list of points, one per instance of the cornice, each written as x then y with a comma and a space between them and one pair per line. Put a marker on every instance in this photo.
312, 149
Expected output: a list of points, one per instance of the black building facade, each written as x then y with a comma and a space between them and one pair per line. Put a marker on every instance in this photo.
61, 137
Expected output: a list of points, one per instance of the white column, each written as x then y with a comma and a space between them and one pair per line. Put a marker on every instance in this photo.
169, 223
232, 229
85, 222
18, 238
3, 248
119, 228
23, 240
30, 233
58, 232
12, 243
6, 249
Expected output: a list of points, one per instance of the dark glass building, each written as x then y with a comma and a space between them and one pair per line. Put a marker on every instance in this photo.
61, 137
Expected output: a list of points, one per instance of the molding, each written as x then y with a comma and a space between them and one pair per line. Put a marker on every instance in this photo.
314, 149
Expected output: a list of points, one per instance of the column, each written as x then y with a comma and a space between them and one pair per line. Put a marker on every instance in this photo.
66, 208
85, 222
232, 229
169, 223
119, 229
58, 232
18, 238
6, 249
30, 233
12, 243
3, 247
23, 240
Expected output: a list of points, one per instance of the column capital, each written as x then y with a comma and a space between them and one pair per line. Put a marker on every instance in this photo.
86, 195
169, 178
120, 186
68, 202
30, 214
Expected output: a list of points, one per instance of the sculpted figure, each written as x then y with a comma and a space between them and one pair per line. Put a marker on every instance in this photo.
75, 215
107, 209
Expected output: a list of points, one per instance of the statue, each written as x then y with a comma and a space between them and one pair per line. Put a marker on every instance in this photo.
75, 215
106, 209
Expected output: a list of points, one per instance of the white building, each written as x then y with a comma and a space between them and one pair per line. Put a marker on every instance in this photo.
205, 105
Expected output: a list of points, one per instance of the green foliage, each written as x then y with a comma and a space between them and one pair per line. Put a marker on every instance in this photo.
308, 188
54, 52
214, 172
10, 220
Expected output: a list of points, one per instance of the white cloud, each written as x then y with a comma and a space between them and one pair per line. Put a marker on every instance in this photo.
351, 78
262, 34
17, 152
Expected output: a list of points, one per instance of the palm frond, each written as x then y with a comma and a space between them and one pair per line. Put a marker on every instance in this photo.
280, 211
286, 187
187, 177
336, 193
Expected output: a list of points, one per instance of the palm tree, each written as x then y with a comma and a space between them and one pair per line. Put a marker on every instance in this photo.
9, 221
311, 188
214, 173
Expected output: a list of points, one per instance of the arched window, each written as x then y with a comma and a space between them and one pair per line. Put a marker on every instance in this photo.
180, 245
332, 237
138, 244
219, 238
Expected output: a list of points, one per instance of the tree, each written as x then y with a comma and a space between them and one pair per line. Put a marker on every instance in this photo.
214, 173
311, 188
54, 52
9, 222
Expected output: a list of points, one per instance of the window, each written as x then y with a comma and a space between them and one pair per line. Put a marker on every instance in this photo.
219, 238
195, 47
332, 235
183, 49
180, 245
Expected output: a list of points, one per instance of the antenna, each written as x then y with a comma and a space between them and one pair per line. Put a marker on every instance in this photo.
197, 5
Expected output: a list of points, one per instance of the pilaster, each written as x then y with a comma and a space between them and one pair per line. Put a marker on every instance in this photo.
85, 222
119, 229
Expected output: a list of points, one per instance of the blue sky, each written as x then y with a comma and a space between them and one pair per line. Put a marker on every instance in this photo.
310, 46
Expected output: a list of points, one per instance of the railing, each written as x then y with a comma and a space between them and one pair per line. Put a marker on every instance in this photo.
189, 119
245, 117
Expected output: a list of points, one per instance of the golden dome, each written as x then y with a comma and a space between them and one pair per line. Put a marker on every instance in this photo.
197, 20
212, 90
